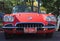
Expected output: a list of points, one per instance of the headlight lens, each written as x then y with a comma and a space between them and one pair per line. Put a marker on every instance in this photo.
51, 18
8, 19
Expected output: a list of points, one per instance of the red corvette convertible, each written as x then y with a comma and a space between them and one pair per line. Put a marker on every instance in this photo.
24, 19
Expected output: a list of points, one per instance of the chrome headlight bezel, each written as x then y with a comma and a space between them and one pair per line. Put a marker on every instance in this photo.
8, 18
51, 18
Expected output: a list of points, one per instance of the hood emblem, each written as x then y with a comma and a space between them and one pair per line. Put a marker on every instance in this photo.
29, 18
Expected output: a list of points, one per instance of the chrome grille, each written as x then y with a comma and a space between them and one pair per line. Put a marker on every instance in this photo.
29, 25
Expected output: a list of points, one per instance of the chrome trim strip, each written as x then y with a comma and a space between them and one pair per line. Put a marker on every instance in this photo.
9, 27
49, 27
33, 27
7, 24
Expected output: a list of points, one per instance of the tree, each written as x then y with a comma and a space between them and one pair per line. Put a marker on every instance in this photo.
57, 6
51, 6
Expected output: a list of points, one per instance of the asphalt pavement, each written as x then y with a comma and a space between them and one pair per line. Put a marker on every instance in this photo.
56, 37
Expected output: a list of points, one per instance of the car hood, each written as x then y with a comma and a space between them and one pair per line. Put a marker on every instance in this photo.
29, 17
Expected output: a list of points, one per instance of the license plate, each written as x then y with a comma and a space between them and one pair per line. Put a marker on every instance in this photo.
30, 30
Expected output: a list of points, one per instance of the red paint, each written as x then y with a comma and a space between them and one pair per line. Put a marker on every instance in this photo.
28, 17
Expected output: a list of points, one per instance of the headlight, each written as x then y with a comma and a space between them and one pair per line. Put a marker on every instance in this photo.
51, 18
8, 19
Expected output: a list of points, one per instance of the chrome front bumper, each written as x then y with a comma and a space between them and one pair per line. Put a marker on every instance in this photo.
33, 27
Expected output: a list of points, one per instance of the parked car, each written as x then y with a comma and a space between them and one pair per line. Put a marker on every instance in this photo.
25, 20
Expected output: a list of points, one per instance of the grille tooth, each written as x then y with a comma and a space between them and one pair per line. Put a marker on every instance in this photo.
25, 26
37, 25
30, 25
33, 25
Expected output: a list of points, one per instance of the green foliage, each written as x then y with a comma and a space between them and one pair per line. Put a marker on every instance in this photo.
50, 5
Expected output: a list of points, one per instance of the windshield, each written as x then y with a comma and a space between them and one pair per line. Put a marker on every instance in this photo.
31, 6
23, 8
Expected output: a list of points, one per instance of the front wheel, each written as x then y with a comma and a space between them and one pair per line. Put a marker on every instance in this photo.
49, 35
8, 36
